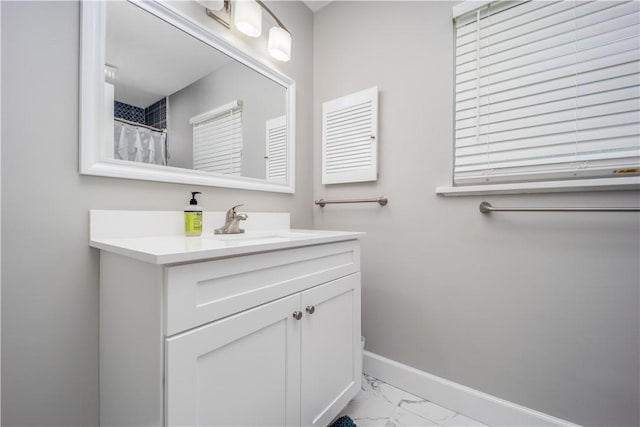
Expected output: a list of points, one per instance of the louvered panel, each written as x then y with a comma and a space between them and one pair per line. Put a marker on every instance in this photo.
349, 138
217, 140
276, 149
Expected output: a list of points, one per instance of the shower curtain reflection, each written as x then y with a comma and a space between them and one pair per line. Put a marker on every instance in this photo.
139, 144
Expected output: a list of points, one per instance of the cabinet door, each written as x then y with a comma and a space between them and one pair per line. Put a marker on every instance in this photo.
241, 370
331, 354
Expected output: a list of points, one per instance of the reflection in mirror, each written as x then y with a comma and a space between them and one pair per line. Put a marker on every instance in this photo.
174, 101
198, 108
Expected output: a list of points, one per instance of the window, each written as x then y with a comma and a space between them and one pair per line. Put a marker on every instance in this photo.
547, 91
217, 139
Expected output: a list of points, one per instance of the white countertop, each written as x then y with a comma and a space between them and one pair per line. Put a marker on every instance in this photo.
156, 236
179, 249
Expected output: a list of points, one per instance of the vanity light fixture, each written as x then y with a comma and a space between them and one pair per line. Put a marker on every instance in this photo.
220, 10
279, 44
247, 18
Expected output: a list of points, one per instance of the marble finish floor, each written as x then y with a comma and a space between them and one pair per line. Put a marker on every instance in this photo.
380, 404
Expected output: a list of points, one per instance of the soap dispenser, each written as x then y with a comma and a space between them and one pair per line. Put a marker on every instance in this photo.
193, 217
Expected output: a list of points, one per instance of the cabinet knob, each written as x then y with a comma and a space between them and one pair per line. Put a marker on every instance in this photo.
297, 315
311, 309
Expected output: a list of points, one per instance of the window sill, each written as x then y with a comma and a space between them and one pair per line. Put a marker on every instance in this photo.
599, 184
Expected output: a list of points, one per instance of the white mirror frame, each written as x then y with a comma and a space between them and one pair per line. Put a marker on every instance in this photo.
93, 109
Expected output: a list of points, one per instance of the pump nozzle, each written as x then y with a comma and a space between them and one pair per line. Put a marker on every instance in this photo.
193, 200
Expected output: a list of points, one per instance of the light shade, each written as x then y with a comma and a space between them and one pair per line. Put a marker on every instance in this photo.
279, 44
247, 17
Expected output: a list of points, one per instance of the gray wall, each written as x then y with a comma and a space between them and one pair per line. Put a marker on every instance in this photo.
49, 274
538, 309
262, 99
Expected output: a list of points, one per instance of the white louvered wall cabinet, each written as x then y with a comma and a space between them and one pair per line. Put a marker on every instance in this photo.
350, 138
276, 150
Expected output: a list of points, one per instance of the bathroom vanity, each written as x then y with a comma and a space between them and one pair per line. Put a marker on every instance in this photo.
261, 328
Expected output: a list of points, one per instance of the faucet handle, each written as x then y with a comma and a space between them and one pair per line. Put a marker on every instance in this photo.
231, 213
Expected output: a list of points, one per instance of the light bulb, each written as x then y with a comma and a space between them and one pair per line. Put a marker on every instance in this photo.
279, 44
247, 17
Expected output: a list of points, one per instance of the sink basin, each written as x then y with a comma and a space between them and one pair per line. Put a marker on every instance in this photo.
260, 236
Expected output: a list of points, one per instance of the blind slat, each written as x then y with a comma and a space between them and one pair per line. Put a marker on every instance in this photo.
569, 114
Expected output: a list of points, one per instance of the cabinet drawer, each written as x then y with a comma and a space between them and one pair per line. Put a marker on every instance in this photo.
202, 292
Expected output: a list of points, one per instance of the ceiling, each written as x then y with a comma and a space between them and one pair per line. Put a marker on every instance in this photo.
154, 59
316, 5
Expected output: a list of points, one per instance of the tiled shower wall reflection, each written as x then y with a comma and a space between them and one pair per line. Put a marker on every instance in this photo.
154, 115
128, 112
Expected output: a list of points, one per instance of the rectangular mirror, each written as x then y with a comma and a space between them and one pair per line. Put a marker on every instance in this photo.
165, 99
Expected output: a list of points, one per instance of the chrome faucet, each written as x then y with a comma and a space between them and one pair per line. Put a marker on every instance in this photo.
232, 222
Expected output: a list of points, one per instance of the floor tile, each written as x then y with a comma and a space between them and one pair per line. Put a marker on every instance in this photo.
402, 417
382, 405
368, 406
385, 391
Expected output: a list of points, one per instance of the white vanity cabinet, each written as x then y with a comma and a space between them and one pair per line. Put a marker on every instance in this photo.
268, 338
268, 365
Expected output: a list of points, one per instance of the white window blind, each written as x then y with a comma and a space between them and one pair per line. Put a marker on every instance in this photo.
276, 158
547, 90
217, 139
349, 138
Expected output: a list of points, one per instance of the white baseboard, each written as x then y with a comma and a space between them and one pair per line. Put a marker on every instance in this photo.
472, 403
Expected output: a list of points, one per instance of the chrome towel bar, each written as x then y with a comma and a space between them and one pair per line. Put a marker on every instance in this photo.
486, 207
380, 200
